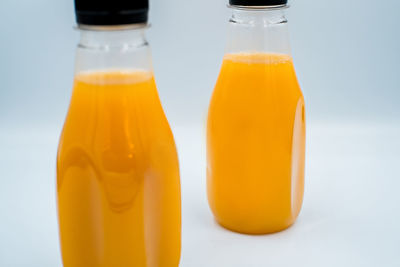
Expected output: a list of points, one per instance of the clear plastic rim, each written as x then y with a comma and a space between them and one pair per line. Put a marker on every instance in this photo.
126, 27
259, 8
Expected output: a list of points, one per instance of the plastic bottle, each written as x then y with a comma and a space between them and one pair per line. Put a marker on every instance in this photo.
256, 124
117, 168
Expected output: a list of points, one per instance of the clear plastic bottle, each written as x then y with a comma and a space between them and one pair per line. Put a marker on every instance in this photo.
256, 124
117, 168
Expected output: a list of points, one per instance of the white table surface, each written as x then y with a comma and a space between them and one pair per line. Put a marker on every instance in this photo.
350, 215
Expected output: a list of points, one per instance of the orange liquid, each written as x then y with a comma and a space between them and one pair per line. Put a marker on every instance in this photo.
256, 144
117, 175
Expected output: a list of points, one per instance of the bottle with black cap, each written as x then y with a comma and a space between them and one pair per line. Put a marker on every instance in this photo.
118, 184
256, 124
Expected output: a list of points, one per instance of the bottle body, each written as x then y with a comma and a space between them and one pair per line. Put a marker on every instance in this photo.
117, 168
256, 132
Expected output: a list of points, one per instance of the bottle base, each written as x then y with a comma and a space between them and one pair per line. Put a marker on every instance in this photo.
241, 230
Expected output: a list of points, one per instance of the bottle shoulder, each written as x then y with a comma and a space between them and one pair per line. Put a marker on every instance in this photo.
115, 109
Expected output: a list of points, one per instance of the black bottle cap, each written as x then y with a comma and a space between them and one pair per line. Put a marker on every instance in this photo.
251, 3
111, 12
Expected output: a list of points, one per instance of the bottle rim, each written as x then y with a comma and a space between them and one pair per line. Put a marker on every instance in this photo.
122, 27
258, 8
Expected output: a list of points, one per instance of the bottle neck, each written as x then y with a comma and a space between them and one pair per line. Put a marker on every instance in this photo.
112, 48
258, 30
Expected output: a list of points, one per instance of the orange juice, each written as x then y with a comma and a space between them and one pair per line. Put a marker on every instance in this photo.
117, 175
256, 144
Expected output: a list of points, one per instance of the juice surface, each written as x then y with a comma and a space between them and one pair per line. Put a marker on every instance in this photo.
117, 175
256, 144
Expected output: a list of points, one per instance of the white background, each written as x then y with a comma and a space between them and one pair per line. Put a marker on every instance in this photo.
347, 59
